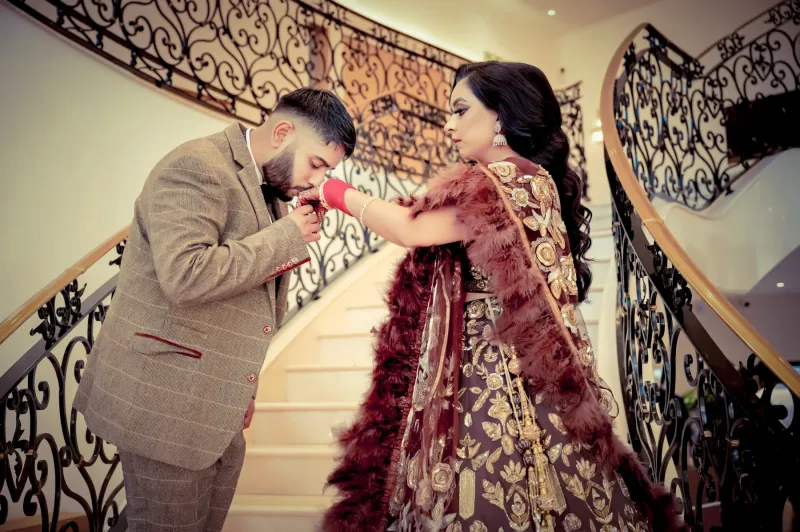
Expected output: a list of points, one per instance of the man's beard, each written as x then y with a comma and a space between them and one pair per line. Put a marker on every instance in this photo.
278, 176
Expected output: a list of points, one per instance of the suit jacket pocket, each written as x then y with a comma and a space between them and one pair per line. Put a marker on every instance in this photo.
173, 338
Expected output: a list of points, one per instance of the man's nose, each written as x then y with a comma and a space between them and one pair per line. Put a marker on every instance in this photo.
317, 179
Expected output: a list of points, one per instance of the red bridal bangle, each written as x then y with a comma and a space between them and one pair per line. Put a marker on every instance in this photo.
331, 194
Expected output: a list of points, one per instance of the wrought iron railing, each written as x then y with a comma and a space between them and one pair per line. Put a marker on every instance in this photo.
51, 465
238, 57
572, 120
671, 110
721, 437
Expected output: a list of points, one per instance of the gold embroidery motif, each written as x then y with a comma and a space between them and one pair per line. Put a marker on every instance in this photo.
442, 477
542, 191
493, 430
536, 222
494, 381
454, 527
513, 472
557, 423
557, 228
468, 449
570, 275
466, 494
478, 526
494, 457
520, 197
546, 253
413, 472
505, 171
570, 317
479, 460
572, 523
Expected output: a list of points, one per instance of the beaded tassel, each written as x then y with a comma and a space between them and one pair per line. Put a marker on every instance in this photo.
544, 490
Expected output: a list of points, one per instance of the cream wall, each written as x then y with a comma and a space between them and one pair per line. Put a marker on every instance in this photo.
468, 28
691, 24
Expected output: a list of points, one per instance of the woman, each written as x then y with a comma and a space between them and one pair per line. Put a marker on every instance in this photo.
485, 411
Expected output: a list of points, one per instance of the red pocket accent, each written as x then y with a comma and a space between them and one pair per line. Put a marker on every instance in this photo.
189, 352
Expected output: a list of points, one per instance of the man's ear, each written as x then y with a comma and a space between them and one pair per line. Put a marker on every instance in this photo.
282, 133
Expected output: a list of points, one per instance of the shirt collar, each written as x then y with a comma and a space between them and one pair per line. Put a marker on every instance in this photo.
250, 149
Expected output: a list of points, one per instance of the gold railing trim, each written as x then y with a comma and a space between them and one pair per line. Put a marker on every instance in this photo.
666, 240
40, 298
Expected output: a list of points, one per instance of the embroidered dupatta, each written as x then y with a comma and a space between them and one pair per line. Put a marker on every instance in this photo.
513, 234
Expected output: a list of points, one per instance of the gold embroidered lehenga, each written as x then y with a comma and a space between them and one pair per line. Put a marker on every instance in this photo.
475, 474
482, 418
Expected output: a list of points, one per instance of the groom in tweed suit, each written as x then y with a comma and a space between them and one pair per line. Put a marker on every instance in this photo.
203, 286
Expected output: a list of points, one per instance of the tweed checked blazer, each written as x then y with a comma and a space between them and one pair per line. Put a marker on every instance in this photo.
202, 287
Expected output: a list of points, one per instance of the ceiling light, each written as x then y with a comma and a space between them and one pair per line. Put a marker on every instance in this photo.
597, 137
551, 12
780, 285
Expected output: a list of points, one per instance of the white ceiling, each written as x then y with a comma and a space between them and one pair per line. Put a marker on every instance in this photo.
511, 29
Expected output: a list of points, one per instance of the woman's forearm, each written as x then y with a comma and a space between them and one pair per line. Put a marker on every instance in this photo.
388, 220
395, 224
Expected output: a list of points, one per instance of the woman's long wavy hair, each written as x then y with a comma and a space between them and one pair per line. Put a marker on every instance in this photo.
531, 119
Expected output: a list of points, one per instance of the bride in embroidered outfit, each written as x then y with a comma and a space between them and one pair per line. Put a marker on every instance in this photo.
485, 410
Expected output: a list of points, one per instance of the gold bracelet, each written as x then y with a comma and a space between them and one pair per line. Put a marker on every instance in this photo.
363, 208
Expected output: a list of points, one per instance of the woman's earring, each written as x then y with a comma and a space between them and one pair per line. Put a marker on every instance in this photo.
499, 139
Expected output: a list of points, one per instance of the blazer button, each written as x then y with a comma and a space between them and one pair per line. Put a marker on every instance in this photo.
251, 377
267, 329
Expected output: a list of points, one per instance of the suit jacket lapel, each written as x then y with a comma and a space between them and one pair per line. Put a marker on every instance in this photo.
248, 176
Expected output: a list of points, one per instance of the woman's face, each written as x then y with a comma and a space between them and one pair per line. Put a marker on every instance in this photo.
471, 125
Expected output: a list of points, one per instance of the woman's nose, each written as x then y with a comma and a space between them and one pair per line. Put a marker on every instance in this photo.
449, 128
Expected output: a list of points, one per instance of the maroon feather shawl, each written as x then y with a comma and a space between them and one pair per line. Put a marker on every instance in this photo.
364, 475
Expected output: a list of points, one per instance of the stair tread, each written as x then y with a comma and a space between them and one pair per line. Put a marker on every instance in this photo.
368, 306
286, 450
307, 406
279, 504
327, 367
347, 334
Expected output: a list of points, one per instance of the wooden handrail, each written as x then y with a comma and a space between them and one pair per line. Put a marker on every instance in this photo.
666, 240
32, 305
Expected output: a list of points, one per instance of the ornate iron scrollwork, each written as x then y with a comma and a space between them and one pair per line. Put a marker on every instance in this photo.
733, 449
239, 56
720, 436
572, 122
671, 106
51, 469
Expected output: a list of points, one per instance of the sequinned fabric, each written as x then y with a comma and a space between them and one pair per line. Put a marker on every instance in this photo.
474, 477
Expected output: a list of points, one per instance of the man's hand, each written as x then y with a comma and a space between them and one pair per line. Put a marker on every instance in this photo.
307, 221
248, 416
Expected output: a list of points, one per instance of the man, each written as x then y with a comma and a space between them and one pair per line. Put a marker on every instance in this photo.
203, 286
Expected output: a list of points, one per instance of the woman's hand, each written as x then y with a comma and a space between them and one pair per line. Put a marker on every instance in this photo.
311, 197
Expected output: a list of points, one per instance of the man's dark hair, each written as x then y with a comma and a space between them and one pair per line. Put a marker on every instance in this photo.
324, 112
